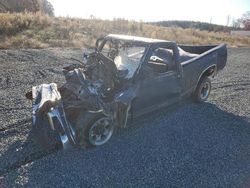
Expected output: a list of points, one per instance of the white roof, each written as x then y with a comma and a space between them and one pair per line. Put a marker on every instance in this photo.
134, 38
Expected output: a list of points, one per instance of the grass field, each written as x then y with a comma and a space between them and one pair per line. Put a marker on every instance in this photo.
35, 30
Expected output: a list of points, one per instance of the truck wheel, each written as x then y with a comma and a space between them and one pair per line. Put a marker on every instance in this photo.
93, 129
203, 90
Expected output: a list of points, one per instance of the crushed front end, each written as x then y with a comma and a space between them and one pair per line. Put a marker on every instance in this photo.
101, 87
48, 112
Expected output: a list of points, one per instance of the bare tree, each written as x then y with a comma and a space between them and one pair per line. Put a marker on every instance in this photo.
46, 7
245, 20
235, 23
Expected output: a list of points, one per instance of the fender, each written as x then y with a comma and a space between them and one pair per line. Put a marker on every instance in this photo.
212, 74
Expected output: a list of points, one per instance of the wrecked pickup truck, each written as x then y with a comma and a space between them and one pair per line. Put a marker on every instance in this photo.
124, 78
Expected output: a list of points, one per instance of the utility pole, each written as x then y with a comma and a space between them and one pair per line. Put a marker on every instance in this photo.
228, 19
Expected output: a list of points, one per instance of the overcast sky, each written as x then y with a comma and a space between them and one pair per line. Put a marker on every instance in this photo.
215, 11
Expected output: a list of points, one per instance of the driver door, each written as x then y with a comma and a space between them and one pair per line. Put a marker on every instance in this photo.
158, 87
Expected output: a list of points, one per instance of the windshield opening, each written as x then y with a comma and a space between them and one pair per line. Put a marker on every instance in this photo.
126, 56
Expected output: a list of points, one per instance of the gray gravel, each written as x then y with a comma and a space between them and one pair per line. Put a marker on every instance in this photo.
189, 145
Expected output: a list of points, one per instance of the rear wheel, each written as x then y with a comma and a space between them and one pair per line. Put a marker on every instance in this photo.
94, 129
203, 90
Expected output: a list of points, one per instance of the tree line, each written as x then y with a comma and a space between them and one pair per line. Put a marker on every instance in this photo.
11, 6
242, 23
193, 24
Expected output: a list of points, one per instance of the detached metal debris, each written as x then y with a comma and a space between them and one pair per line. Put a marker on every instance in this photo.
124, 78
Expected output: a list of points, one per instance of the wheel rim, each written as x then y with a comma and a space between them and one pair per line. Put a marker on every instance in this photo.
205, 91
101, 131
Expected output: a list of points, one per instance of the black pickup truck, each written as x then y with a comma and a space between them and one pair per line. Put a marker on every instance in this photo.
122, 79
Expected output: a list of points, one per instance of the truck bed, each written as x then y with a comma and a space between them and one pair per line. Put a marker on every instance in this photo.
205, 57
203, 52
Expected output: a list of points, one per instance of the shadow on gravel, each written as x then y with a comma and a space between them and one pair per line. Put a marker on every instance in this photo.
194, 145
21, 153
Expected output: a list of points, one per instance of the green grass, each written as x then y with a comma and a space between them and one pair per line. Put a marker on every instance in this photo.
35, 30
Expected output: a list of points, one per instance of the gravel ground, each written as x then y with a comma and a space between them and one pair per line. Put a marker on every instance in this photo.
189, 145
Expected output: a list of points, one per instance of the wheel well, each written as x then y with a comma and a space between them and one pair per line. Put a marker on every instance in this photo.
209, 71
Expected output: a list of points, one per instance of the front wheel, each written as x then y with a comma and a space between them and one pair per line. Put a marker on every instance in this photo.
203, 90
94, 129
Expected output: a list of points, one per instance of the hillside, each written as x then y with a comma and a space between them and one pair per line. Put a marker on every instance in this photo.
35, 30
194, 24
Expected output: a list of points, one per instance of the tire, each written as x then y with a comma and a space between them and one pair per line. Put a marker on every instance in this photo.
93, 129
203, 90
